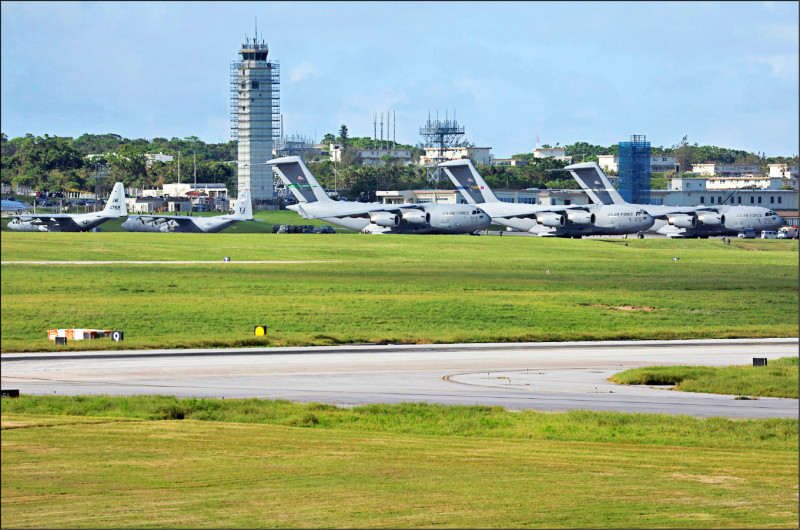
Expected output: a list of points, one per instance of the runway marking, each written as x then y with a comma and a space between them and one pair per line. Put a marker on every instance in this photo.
527, 387
285, 262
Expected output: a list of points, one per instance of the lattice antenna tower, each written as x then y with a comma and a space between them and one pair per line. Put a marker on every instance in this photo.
441, 135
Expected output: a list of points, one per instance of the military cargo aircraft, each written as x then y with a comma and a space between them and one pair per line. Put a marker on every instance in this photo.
243, 211
678, 221
79, 222
546, 220
373, 217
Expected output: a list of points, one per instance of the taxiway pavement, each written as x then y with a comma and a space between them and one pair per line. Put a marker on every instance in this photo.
543, 376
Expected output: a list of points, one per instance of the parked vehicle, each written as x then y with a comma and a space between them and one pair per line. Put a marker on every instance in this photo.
324, 229
787, 232
768, 234
747, 233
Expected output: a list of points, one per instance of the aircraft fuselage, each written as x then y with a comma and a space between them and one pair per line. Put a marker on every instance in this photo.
423, 219
74, 223
136, 223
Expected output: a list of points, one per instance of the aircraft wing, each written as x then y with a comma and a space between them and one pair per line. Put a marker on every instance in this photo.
47, 219
155, 220
666, 211
339, 209
534, 210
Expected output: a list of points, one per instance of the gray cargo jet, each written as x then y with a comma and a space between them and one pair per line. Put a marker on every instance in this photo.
678, 221
79, 222
373, 217
243, 211
563, 221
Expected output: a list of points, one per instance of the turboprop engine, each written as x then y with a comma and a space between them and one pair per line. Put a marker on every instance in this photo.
683, 221
551, 219
711, 218
579, 217
384, 219
416, 217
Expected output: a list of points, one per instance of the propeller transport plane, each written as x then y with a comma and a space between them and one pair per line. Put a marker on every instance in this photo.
243, 211
678, 221
563, 221
79, 222
374, 218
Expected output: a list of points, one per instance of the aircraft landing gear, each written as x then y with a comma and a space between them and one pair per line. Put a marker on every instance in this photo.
640, 236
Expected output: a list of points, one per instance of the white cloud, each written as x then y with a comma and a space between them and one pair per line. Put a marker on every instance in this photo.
783, 65
303, 71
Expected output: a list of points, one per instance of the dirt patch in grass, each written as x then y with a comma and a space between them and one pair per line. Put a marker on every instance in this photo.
707, 479
628, 308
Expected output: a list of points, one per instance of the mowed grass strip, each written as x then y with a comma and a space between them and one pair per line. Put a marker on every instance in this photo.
254, 463
410, 289
778, 379
425, 419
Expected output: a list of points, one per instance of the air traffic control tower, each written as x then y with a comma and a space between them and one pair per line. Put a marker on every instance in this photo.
255, 118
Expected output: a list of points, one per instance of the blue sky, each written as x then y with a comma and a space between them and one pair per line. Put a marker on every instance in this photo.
723, 73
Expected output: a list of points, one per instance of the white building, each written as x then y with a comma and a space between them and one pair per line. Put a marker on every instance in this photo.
784, 171
373, 157
658, 163
508, 162
726, 183
419, 196
160, 157
559, 153
433, 155
748, 181
726, 170
213, 191
144, 204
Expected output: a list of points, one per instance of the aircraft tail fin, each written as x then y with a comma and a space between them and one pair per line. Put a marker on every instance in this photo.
298, 178
595, 183
243, 209
468, 181
116, 207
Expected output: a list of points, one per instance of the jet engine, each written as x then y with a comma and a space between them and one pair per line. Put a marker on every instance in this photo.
711, 218
683, 220
416, 217
579, 217
551, 219
384, 219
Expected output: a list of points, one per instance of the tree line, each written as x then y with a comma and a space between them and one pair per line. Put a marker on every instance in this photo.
57, 163
60, 163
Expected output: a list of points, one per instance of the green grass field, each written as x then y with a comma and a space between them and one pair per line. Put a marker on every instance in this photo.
411, 289
163, 462
778, 379
123, 462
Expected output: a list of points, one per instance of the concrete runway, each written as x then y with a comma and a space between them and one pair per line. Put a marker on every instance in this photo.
543, 376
